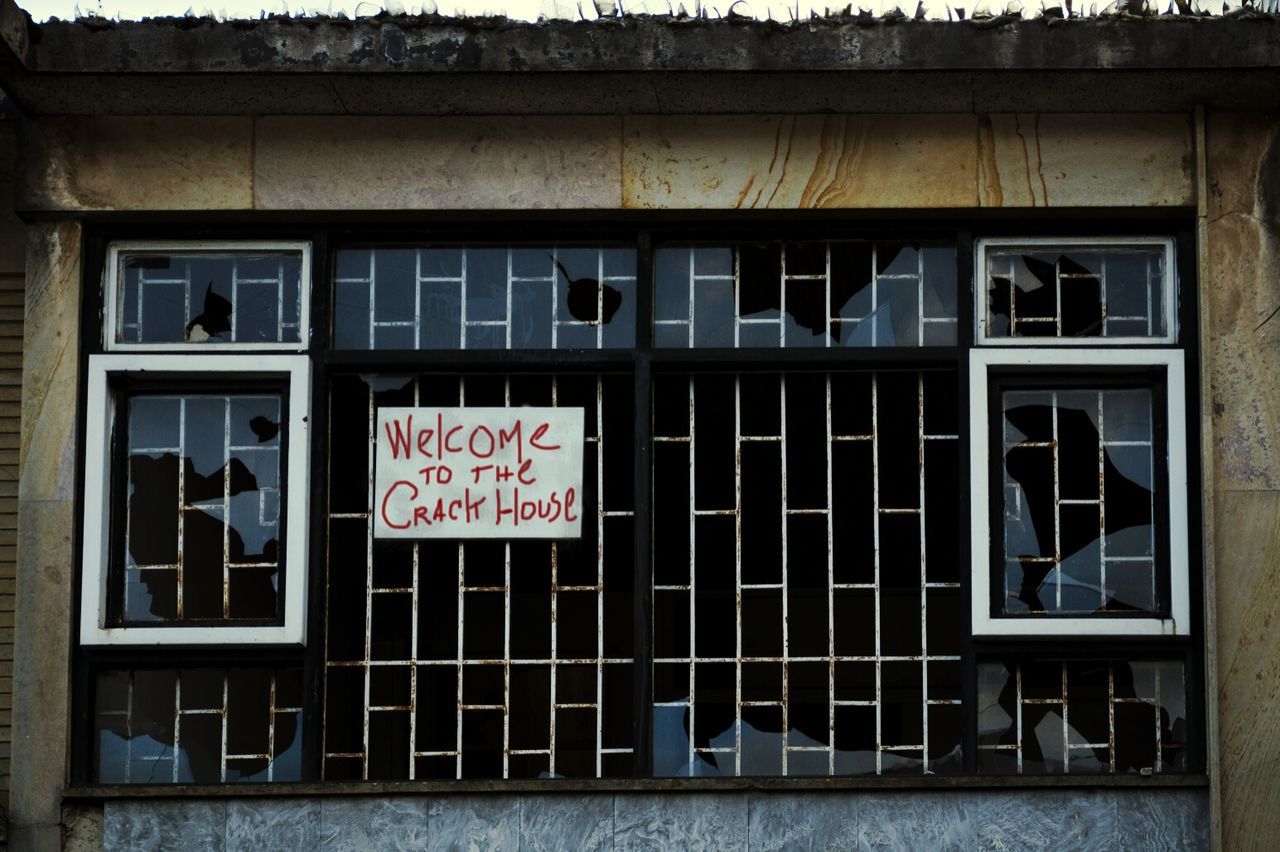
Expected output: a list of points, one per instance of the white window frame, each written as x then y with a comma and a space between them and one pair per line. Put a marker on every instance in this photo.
1169, 296
114, 292
985, 362
102, 409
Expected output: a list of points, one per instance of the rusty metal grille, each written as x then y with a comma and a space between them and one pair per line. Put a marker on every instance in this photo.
485, 298
202, 521
483, 659
198, 725
824, 294
807, 608
210, 298
1092, 716
1091, 292
1079, 501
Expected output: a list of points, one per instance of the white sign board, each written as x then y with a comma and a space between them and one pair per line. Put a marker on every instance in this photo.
478, 473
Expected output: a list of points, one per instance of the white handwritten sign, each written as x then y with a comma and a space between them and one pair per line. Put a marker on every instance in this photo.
478, 473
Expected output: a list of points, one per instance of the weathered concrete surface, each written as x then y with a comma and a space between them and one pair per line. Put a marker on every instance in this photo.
436, 164
789, 162
1169, 819
1243, 248
126, 163
1089, 160
780, 162
46, 519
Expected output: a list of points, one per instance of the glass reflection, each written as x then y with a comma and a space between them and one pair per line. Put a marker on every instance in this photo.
1079, 502
202, 519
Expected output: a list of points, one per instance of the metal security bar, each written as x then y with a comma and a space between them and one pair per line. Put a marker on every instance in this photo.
485, 298
1092, 716
198, 725
805, 295
480, 659
1079, 500
201, 537
830, 646
1091, 291
210, 298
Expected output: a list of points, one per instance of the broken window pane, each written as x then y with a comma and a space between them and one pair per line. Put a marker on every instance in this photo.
785, 641
1081, 716
1079, 501
483, 658
1095, 291
201, 519
459, 297
805, 294
197, 726
210, 297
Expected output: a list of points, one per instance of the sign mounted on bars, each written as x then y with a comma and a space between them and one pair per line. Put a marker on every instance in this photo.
478, 473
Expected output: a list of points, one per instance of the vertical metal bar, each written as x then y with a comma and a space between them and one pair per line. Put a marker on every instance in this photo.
462, 305
182, 502
1066, 740
831, 569
599, 380
693, 574
1111, 717
786, 633
368, 588
415, 587
222, 757
737, 297
1158, 701
1057, 510
692, 301
235, 295
506, 584
373, 297
271, 732
920, 297
555, 626
177, 725
1018, 689
280, 305
555, 298
642, 520
737, 575
226, 508
875, 500
599, 300
1106, 314
511, 319
924, 579
417, 315
462, 602
829, 321
1102, 503
1057, 294
782, 341
875, 341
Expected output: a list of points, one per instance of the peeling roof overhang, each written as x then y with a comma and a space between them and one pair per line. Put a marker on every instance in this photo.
438, 65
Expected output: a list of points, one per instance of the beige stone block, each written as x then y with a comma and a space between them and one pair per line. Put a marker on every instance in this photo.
1247, 563
50, 367
460, 163
804, 161
1073, 160
1240, 148
1244, 384
137, 163
42, 664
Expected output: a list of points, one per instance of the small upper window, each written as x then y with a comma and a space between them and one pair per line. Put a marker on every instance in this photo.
178, 295
1102, 290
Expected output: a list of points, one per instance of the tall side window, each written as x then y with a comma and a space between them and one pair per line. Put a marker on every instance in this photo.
1077, 406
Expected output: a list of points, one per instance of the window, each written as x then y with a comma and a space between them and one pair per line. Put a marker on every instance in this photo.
1087, 471
785, 437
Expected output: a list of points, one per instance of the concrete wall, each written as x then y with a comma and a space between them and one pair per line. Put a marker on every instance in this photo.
1242, 230
582, 162
74, 166
989, 819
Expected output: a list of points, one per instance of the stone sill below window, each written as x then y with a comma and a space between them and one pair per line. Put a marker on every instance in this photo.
99, 792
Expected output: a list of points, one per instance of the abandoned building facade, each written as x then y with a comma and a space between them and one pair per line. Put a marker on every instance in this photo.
858, 432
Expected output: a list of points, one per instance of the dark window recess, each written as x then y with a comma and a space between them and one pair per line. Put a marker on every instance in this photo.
1080, 496
805, 294
1081, 716
210, 298
485, 658
200, 528
1090, 292
450, 297
807, 608
160, 726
